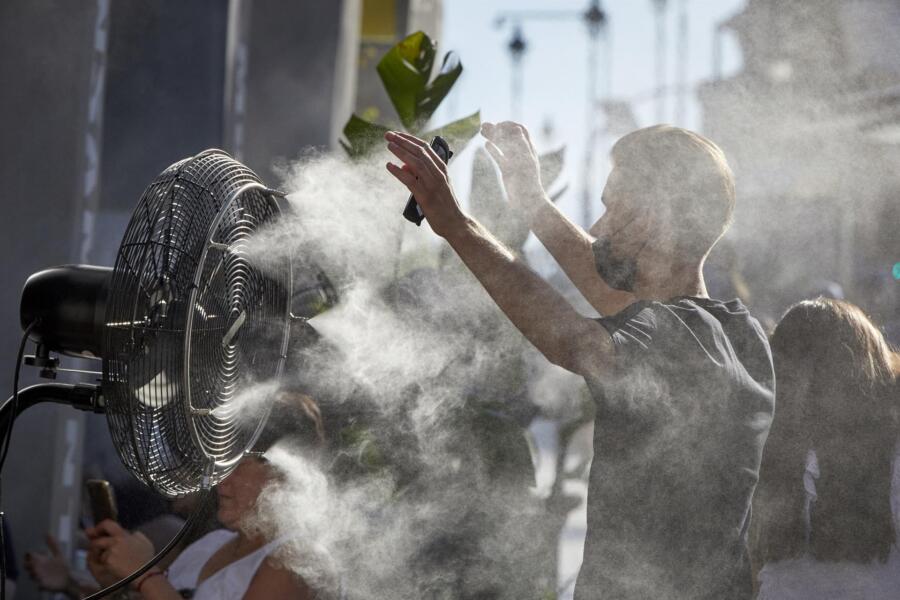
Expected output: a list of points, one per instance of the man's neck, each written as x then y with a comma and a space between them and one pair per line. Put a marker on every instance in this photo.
667, 283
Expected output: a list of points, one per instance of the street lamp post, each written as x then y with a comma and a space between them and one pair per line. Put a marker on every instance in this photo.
517, 47
660, 8
595, 20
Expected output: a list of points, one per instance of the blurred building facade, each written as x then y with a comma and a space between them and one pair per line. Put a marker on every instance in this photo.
811, 125
105, 96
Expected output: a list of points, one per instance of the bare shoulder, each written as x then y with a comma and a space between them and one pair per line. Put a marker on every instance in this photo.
274, 582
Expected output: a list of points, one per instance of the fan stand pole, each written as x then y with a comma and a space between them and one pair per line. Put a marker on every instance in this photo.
82, 396
88, 397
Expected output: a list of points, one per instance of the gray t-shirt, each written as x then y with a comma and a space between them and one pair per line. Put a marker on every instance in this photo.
678, 439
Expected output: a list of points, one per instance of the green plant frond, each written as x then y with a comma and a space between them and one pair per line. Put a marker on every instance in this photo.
360, 136
435, 92
405, 71
458, 133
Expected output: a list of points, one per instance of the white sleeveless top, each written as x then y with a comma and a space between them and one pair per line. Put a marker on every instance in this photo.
806, 578
230, 582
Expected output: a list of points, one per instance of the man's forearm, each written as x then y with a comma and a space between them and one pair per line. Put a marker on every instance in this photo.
549, 322
556, 329
570, 246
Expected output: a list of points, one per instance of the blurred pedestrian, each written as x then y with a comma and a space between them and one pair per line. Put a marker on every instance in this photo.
827, 505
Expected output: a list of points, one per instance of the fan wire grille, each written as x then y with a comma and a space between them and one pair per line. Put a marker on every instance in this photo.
196, 321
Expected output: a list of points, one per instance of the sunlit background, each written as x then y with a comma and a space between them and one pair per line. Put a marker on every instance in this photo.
100, 96
531, 61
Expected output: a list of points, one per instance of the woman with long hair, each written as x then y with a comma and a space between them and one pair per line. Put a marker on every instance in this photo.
824, 524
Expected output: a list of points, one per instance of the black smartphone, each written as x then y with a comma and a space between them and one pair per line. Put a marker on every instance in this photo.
102, 500
413, 212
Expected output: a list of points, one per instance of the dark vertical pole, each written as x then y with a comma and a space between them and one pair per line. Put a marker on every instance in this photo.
237, 57
682, 58
517, 47
660, 7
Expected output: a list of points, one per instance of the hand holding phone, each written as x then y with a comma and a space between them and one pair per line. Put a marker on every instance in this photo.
413, 211
102, 500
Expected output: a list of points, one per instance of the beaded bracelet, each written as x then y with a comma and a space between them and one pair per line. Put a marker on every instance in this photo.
137, 583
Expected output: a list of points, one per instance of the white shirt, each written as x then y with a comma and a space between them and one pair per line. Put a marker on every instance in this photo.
229, 582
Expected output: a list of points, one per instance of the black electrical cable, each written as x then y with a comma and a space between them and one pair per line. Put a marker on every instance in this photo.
2, 561
6, 439
15, 399
192, 521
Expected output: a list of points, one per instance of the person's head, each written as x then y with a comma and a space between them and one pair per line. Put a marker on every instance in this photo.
239, 491
669, 198
295, 421
836, 395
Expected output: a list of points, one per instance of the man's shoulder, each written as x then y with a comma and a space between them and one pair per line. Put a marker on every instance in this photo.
682, 311
732, 317
691, 324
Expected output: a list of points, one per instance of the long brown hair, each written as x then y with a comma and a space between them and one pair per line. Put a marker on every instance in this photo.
835, 394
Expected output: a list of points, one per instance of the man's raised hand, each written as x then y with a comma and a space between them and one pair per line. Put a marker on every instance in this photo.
425, 175
510, 146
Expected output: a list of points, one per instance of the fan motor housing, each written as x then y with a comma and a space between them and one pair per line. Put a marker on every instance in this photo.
67, 305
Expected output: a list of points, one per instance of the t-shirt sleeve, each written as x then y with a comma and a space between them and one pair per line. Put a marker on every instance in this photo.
634, 328
632, 396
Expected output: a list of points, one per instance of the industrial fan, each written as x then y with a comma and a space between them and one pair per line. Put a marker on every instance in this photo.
188, 319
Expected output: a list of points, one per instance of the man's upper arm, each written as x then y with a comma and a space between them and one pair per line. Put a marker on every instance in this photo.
593, 352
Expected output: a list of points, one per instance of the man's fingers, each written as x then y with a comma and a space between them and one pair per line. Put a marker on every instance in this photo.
523, 131
412, 163
406, 136
108, 527
408, 140
499, 131
495, 153
510, 136
103, 543
407, 156
405, 176
416, 147
512, 130
421, 166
